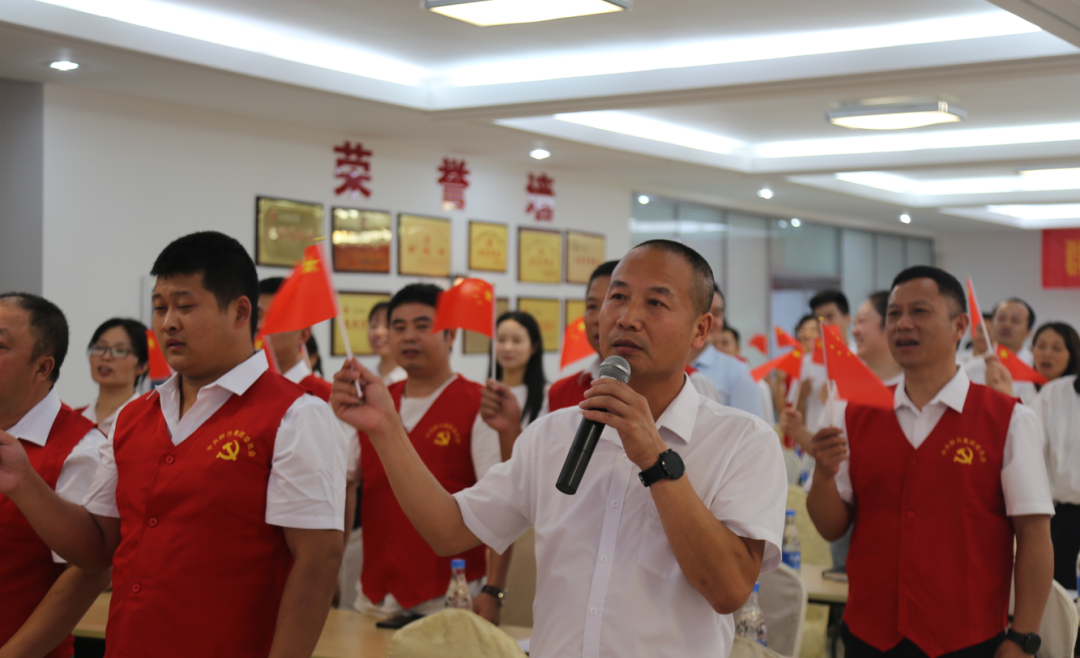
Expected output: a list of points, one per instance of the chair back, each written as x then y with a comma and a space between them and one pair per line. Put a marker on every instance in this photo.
783, 603
453, 633
521, 582
1059, 623
815, 550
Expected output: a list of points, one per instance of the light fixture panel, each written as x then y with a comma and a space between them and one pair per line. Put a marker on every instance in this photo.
894, 116
486, 13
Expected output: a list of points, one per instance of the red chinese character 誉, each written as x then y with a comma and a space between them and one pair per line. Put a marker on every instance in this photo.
354, 169
541, 191
454, 182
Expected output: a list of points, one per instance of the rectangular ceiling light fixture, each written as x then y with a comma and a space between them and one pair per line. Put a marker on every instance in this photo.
894, 116
486, 13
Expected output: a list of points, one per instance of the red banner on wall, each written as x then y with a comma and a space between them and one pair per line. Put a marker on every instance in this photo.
1061, 258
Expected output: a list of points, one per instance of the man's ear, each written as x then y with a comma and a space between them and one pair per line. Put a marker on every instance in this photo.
243, 313
44, 369
702, 327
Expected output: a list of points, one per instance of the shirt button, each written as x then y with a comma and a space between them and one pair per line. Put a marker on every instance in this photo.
603, 558
910, 514
170, 459
136, 588
592, 611
614, 503
153, 523
625, 458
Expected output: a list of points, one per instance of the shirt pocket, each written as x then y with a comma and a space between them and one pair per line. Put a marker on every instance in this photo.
654, 551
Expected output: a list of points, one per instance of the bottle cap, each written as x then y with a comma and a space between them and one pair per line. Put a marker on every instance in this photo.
791, 513
457, 563
756, 588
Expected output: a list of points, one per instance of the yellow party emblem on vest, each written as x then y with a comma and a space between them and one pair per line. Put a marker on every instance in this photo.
964, 451
231, 445
443, 434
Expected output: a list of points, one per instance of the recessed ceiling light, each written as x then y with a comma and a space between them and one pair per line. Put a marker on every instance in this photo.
486, 13
783, 223
659, 131
643, 200
796, 222
905, 218
765, 193
64, 65
539, 154
894, 116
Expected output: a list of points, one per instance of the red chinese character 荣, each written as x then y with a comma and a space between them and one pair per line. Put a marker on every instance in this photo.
354, 169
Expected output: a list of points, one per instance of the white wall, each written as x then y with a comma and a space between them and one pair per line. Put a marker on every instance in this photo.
1007, 263
125, 176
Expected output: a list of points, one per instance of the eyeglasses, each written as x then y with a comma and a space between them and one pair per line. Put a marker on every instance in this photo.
117, 352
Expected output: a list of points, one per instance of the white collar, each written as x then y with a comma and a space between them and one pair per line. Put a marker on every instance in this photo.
678, 419
90, 412
952, 394
298, 372
592, 372
238, 380
37, 423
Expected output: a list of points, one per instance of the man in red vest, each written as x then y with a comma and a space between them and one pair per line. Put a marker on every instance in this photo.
570, 391
288, 346
937, 488
41, 599
220, 496
440, 411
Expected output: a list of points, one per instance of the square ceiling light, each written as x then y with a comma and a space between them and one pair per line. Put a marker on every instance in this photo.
894, 116
486, 13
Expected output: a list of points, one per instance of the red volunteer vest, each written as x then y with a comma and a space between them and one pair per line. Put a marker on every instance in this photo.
27, 570
569, 391
931, 556
317, 386
397, 560
198, 571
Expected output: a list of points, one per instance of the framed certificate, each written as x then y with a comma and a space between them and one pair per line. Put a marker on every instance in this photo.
539, 255
488, 245
479, 343
283, 229
584, 253
423, 246
361, 240
575, 308
355, 307
546, 313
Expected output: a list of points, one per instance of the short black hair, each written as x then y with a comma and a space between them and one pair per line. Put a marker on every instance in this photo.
702, 290
48, 326
809, 317
830, 297
734, 332
381, 306
414, 293
603, 269
312, 347
226, 267
271, 286
948, 286
880, 301
1017, 300
136, 332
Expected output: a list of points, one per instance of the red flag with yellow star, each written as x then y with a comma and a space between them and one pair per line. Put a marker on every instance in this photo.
760, 343
159, 367
304, 299
855, 382
262, 343
1020, 371
575, 343
791, 363
469, 304
784, 339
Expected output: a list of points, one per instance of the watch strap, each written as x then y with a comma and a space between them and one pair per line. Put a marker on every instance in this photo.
491, 590
1029, 642
653, 474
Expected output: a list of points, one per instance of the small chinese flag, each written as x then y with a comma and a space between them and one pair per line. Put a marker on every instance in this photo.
305, 298
261, 343
973, 306
575, 345
1020, 371
469, 304
791, 363
159, 367
854, 381
760, 343
819, 352
784, 339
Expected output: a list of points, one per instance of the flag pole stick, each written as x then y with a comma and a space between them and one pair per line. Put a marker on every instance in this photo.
828, 379
349, 356
982, 322
494, 322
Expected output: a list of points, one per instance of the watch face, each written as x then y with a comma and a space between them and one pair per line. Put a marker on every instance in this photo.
672, 464
1033, 644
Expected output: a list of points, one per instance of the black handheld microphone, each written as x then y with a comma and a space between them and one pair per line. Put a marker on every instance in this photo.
588, 433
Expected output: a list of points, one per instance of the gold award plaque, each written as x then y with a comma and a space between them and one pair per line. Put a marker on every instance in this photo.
355, 307
575, 308
283, 229
361, 240
539, 256
584, 253
546, 313
479, 343
487, 246
424, 246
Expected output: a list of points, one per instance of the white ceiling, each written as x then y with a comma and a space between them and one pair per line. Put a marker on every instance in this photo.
1017, 78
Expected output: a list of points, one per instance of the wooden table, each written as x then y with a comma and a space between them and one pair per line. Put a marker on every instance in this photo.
346, 635
820, 590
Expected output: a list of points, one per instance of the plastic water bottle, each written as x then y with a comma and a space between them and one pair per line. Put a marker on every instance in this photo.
804, 470
791, 551
749, 622
1078, 583
457, 595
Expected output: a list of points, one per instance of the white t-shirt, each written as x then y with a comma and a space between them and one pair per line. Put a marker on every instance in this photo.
90, 413
816, 374
307, 475
79, 467
610, 584
1023, 472
975, 367
1058, 410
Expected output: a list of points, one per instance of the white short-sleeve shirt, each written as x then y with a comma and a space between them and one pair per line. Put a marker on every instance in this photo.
1023, 473
80, 465
1058, 410
307, 475
105, 425
610, 584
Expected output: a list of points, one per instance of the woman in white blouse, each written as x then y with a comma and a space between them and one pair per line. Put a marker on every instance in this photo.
519, 364
1056, 348
119, 360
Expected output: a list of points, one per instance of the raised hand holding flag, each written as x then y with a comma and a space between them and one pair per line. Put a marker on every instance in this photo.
1020, 371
